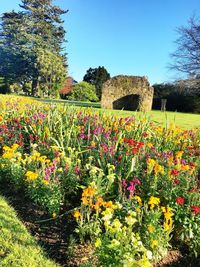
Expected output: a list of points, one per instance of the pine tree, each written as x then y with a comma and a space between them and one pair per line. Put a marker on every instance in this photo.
22, 37
46, 22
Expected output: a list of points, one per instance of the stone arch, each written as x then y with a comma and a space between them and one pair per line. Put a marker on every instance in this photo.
127, 92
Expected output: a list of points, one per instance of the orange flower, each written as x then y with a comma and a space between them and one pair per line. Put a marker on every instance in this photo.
99, 203
108, 204
84, 201
88, 192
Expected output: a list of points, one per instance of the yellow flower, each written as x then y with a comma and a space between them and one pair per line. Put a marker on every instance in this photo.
167, 225
93, 144
77, 214
8, 155
98, 243
150, 165
130, 220
45, 182
149, 145
150, 228
154, 243
54, 215
42, 158
107, 214
88, 192
153, 201
46, 130
31, 176
185, 167
14, 147
114, 243
179, 154
158, 169
85, 201
139, 200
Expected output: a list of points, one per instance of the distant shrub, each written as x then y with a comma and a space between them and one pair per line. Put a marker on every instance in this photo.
83, 91
178, 99
179, 102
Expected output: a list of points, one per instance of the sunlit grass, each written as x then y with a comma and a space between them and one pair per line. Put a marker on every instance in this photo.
184, 120
17, 247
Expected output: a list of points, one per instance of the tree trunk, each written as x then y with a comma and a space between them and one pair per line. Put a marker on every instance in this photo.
34, 88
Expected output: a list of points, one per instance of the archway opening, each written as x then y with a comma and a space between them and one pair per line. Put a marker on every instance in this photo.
128, 102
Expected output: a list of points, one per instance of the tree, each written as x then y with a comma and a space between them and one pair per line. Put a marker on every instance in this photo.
46, 22
97, 77
51, 72
187, 55
83, 91
162, 90
29, 39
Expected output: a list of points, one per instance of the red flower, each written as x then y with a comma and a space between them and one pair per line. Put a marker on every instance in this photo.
180, 200
174, 172
134, 150
120, 158
195, 209
145, 134
176, 181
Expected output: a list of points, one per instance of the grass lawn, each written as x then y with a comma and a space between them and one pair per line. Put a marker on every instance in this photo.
17, 247
185, 120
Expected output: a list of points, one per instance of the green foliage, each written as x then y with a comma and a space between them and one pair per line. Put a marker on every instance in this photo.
182, 99
83, 91
52, 72
162, 90
97, 77
30, 42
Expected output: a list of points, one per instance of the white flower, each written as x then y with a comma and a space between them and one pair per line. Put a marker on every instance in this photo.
149, 254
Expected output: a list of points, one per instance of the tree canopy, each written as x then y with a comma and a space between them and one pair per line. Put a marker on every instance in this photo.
97, 77
83, 91
31, 47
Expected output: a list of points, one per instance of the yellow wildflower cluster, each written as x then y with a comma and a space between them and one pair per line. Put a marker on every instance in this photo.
179, 154
87, 196
36, 156
153, 201
154, 244
31, 176
158, 169
152, 165
139, 200
167, 211
150, 228
9, 151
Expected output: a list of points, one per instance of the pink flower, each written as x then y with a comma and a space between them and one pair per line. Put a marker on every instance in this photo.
77, 170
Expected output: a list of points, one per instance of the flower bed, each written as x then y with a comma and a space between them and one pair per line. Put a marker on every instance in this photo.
134, 186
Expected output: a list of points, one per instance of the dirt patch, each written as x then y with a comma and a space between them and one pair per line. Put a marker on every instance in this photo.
55, 236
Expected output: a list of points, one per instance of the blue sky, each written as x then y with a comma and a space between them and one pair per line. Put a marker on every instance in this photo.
130, 37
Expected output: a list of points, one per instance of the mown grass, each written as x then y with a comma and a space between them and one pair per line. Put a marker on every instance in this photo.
183, 120
17, 247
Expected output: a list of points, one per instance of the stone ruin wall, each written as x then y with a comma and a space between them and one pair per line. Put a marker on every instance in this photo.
127, 92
